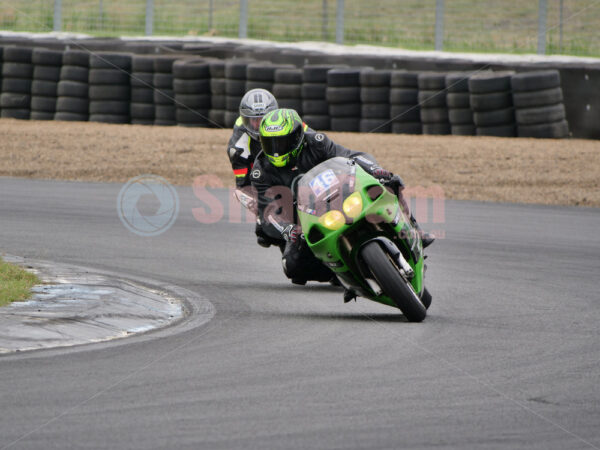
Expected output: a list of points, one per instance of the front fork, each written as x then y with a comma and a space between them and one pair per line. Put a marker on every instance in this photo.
392, 250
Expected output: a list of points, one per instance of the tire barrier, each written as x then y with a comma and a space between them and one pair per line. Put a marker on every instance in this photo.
44, 88
375, 101
17, 74
72, 103
218, 97
460, 113
491, 101
261, 75
109, 87
235, 88
183, 89
432, 99
287, 88
314, 92
343, 98
142, 90
164, 95
405, 112
539, 108
191, 84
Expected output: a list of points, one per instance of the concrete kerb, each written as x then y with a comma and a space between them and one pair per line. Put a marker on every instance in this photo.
79, 305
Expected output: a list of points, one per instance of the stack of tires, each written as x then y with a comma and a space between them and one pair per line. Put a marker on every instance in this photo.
460, 113
235, 88
191, 83
17, 72
142, 90
432, 99
164, 95
405, 112
262, 75
538, 101
44, 89
73, 103
109, 90
287, 88
375, 100
343, 96
314, 90
218, 104
491, 102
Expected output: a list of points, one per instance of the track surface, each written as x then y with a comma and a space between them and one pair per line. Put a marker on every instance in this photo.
507, 358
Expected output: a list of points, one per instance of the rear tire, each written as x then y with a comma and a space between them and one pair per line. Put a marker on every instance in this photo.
391, 282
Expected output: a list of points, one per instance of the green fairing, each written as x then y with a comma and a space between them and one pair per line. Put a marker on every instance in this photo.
330, 247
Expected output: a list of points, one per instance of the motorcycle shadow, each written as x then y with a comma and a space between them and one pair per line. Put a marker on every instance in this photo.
316, 288
341, 316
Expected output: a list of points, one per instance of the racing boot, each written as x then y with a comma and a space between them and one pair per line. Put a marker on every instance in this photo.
426, 238
300, 265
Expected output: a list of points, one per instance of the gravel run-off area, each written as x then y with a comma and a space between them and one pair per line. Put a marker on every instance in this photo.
543, 171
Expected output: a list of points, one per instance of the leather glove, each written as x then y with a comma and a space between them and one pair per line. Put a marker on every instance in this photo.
292, 233
381, 174
246, 200
395, 183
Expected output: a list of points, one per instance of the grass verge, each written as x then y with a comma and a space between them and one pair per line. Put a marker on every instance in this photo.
15, 283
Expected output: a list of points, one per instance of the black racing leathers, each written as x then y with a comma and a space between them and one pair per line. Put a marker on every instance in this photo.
272, 184
242, 151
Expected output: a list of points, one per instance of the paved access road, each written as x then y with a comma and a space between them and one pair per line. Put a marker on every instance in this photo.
508, 357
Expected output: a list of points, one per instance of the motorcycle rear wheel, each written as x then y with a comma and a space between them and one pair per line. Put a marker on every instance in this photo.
387, 275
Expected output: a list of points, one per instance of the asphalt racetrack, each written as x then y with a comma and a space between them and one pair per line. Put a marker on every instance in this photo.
508, 357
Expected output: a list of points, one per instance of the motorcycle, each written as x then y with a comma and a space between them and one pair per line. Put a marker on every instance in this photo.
356, 227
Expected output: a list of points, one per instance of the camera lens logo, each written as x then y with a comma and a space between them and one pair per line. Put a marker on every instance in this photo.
148, 205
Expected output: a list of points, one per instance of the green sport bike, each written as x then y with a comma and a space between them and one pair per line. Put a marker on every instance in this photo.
356, 227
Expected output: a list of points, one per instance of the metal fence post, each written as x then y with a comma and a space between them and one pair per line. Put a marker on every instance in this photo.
339, 22
243, 31
439, 25
57, 23
560, 36
542, 15
149, 17
101, 14
324, 21
211, 7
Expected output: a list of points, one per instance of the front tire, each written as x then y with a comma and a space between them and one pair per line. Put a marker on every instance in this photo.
388, 277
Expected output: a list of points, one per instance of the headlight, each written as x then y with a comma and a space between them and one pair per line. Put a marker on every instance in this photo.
332, 220
353, 205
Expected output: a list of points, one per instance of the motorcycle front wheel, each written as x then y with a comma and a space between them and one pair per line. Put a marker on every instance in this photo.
387, 275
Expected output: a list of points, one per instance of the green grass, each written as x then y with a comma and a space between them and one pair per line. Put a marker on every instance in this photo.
15, 283
507, 26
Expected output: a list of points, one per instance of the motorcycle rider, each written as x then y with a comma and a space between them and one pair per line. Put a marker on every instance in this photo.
291, 148
244, 146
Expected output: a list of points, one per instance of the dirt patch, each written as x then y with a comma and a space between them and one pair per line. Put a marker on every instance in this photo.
560, 172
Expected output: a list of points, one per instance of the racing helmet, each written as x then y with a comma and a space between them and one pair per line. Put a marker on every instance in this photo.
282, 136
254, 105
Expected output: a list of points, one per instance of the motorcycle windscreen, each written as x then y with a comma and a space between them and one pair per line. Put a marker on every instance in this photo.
326, 186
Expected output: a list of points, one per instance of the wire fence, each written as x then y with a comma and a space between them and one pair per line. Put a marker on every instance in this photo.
507, 26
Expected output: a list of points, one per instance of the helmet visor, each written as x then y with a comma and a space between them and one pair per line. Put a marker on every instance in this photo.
252, 124
281, 145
